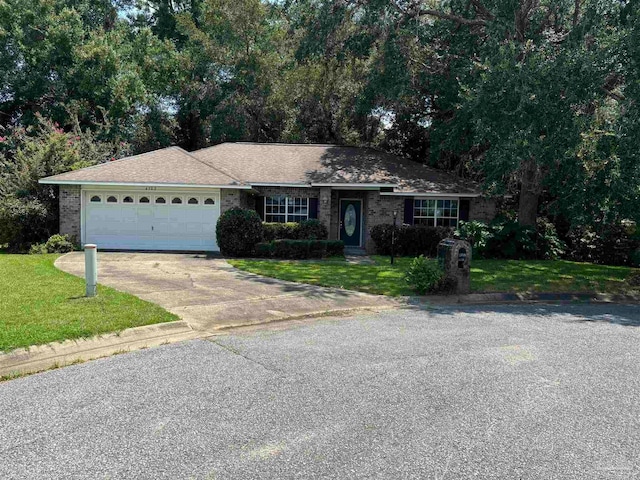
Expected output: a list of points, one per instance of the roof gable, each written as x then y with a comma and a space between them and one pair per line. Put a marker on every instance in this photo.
171, 166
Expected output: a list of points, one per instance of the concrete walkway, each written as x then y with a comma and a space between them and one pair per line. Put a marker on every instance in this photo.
209, 294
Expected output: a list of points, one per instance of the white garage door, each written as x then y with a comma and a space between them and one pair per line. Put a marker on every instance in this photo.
157, 221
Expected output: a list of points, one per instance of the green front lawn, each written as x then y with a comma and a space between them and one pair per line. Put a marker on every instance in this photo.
40, 304
486, 275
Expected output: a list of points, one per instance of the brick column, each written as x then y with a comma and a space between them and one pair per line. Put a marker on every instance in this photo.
324, 207
70, 207
229, 198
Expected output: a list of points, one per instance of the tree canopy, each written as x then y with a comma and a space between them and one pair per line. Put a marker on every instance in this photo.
535, 98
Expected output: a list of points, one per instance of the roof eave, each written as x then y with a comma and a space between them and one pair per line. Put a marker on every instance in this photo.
431, 194
52, 181
362, 186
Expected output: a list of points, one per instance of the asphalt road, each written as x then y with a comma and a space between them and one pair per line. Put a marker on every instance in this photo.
513, 392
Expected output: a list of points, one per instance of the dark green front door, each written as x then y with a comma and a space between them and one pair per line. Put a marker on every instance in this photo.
351, 222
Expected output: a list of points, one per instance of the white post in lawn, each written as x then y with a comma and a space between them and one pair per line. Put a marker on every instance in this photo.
91, 268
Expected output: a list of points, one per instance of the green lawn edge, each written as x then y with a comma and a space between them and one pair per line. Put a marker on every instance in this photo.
487, 276
41, 304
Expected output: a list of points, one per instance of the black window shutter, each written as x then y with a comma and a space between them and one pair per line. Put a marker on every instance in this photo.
260, 207
463, 213
408, 211
313, 208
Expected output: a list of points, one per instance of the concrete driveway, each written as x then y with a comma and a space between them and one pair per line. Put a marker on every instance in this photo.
210, 294
509, 392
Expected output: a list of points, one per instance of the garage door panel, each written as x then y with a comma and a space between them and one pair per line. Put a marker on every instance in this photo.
151, 226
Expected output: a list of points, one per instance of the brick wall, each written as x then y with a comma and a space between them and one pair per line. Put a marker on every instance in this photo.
231, 198
325, 207
70, 211
483, 209
380, 211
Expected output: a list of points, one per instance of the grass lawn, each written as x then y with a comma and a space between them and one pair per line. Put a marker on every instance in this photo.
486, 275
40, 304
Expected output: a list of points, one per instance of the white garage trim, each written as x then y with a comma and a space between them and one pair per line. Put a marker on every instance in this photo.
137, 225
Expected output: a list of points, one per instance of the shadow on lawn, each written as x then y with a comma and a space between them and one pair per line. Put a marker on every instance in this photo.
624, 315
292, 287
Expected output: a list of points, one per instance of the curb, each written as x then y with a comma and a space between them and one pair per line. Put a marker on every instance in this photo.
58, 354
39, 358
334, 312
528, 297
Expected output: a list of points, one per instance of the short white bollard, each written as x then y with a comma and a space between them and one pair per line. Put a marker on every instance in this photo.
91, 268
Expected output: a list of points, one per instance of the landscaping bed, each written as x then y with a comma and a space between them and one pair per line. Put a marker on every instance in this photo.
41, 304
556, 276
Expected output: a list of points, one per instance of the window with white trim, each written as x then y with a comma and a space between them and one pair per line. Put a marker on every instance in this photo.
282, 209
435, 212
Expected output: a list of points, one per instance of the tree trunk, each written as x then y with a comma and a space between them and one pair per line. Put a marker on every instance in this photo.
529, 193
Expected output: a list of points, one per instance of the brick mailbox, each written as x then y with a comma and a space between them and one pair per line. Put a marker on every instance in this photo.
454, 257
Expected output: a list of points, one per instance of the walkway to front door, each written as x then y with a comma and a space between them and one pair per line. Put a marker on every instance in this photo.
351, 222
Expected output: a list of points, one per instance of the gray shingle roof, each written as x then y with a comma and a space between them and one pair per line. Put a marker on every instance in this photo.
301, 164
172, 166
260, 163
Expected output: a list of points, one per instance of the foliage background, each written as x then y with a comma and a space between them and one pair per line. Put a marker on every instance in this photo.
535, 98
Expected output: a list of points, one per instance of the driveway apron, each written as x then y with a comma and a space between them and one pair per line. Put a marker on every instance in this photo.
210, 294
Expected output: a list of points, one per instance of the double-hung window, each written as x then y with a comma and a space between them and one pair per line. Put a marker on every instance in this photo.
435, 212
282, 209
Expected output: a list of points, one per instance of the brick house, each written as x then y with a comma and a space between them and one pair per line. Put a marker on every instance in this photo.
171, 199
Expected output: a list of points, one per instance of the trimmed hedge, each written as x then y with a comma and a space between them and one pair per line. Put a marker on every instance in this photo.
299, 249
310, 229
411, 240
238, 231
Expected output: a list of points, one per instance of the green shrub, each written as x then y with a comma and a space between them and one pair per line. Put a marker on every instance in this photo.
56, 244
264, 249
23, 222
299, 249
423, 275
548, 243
38, 249
238, 231
279, 231
510, 240
310, 229
59, 244
335, 248
506, 238
476, 233
611, 244
410, 239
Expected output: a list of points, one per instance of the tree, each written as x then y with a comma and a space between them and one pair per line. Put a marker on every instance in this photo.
26, 156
